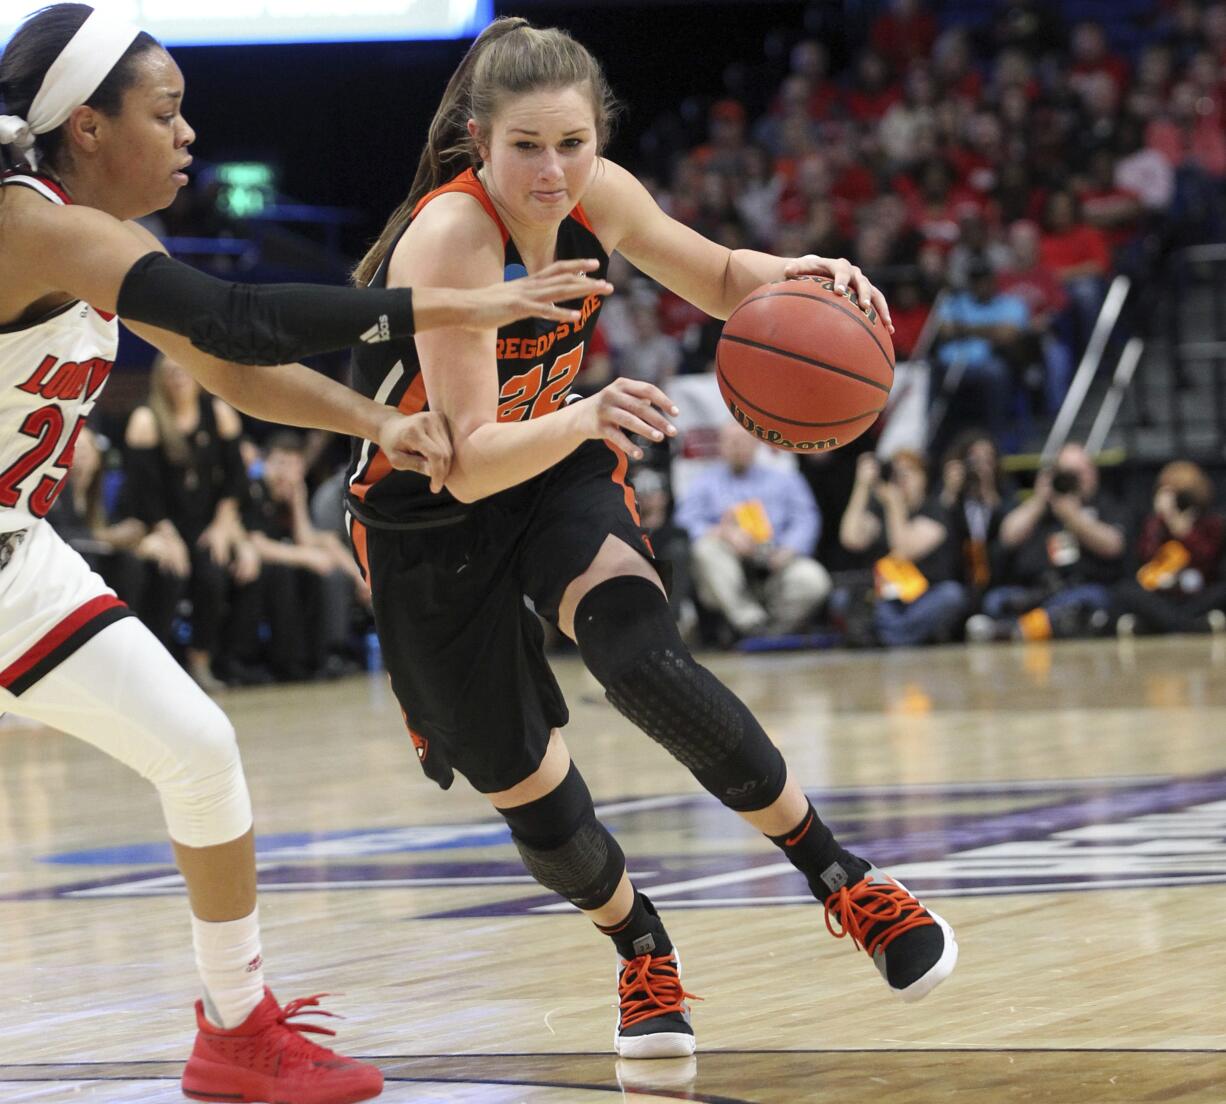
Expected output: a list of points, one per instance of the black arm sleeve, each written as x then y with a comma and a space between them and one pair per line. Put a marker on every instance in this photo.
260, 323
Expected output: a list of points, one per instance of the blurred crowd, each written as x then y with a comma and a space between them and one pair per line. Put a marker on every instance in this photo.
991, 167
995, 163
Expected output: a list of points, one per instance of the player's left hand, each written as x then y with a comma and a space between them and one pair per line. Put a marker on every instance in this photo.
420, 443
847, 278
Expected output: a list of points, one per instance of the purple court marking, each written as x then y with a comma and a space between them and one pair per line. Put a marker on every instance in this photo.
1055, 836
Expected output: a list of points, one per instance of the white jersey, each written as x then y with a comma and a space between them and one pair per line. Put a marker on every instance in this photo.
52, 370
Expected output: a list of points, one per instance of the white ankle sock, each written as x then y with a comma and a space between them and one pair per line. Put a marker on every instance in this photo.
228, 958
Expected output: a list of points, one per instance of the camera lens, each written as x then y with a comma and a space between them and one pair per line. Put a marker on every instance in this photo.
1064, 482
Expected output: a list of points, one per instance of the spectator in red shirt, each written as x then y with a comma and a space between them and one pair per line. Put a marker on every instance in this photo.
937, 202
811, 60
1029, 278
909, 312
724, 150
904, 33
1155, 72
872, 94
1114, 210
1014, 69
1079, 255
1092, 57
1188, 137
1071, 248
1195, 146
952, 65
812, 181
1177, 587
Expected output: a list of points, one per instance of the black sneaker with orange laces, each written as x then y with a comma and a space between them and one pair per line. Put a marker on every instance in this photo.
267, 1060
912, 947
653, 1020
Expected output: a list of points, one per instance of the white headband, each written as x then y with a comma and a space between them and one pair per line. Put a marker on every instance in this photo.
73, 77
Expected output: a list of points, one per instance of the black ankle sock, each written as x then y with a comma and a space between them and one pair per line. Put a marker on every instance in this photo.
813, 850
641, 932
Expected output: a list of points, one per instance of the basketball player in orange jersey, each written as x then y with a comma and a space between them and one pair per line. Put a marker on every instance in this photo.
91, 123
536, 504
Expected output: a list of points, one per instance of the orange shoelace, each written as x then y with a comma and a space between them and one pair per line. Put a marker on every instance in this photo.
655, 977
866, 904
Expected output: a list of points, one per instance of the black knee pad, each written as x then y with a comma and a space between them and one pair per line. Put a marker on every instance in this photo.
629, 641
564, 846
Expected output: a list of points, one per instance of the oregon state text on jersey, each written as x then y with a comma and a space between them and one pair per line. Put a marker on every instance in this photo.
537, 363
52, 370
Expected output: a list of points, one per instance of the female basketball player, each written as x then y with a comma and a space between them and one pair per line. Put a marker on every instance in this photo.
94, 116
536, 504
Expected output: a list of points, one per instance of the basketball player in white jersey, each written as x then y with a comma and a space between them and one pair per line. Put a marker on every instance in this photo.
91, 128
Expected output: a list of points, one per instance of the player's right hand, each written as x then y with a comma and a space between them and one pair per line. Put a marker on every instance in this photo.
536, 296
626, 406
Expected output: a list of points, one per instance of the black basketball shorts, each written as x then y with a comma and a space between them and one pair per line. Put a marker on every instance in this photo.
464, 651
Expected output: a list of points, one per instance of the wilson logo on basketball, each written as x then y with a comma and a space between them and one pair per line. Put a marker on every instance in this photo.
802, 367
777, 439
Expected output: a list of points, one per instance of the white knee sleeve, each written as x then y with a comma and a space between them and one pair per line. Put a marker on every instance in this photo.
201, 782
123, 693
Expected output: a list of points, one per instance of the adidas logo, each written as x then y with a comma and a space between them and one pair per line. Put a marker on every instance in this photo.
381, 331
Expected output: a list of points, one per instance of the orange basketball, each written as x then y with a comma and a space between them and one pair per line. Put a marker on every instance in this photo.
802, 367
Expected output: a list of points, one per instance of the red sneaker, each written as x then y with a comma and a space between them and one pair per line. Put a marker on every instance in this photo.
267, 1060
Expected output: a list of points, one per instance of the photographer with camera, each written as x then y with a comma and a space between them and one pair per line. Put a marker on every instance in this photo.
1063, 551
978, 499
1177, 587
907, 535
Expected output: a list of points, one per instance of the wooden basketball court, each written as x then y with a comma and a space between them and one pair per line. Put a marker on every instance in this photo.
1064, 807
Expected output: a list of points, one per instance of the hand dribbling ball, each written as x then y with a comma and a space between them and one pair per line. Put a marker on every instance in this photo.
802, 367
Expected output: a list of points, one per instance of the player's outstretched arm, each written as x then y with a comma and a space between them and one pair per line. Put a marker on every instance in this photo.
293, 394
120, 267
500, 304
712, 277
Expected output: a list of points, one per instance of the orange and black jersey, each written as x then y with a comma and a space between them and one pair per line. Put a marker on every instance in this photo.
538, 361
